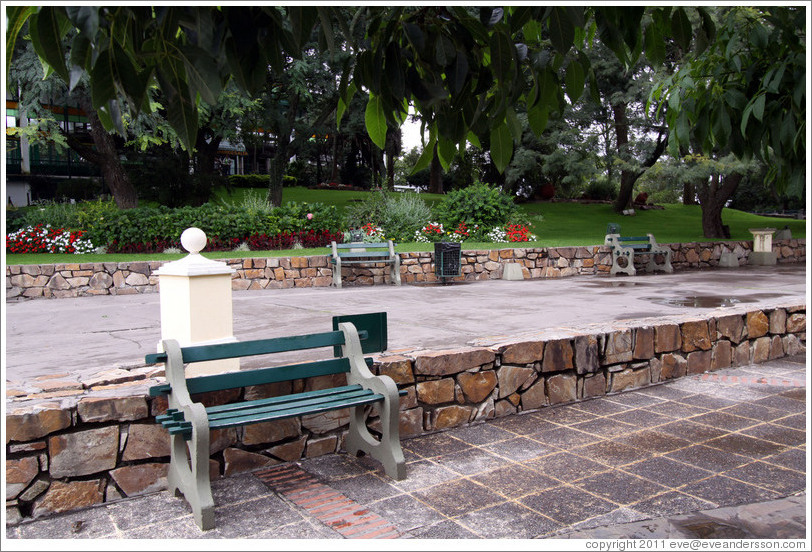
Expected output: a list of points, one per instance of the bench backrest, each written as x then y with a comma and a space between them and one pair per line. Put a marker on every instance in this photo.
362, 245
371, 329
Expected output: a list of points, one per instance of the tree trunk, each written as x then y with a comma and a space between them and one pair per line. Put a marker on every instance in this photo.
105, 155
206, 151
624, 195
281, 157
712, 198
436, 174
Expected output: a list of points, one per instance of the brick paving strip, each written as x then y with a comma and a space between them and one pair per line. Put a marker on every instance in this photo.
778, 382
327, 505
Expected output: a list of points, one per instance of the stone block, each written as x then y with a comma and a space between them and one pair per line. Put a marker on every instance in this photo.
722, 355
643, 343
594, 385
30, 423
140, 478
73, 495
399, 368
742, 354
796, 323
512, 378
758, 324
557, 356
477, 386
587, 359
561, 388
268, 390
19, 474
776, 347
105, 409
454, 361
699, 362
667, 338
761, 350
326, 421
452, 416
83, 452
319, 446
271, 432
778, 321
625, 379
411, 422
535, 396
730, 327
618, 347
695, 336
288, 452
241, 461
146, 441
436, 391
523, 353
504, 408
673, 366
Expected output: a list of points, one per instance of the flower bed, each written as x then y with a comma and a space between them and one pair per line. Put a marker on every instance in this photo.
45, 239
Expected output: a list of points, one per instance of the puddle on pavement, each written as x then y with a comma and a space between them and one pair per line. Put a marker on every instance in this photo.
700, 301
604, 284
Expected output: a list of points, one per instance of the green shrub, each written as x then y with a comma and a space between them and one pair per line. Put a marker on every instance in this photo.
480, 207
400, 215
600, 189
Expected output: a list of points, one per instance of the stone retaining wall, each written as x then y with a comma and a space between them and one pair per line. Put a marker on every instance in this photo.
81, 279
72, 444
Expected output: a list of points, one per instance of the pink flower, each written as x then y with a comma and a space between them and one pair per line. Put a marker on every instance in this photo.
309, 216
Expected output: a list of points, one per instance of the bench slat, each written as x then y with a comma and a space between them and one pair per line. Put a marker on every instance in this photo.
292, 410
200, 353
251, 408
360, 245
633, 238
231, 380
214, 411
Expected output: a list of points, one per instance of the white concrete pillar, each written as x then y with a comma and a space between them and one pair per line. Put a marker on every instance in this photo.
195, 297
762, 253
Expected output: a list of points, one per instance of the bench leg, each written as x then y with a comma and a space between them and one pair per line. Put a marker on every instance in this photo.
387, 451
627, 254
189, 473
337, 274
396, 271
665, 266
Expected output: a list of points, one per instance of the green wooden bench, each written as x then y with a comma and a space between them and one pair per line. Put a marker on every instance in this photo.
364, 253
189, 422
624, 249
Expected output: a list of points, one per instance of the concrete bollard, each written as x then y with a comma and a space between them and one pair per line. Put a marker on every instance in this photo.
196, 306
512, 271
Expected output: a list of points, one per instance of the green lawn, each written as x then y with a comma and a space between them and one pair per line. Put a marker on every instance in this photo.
555, 224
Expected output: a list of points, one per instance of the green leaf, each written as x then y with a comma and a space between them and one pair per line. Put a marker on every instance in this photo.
202, 73
16, 17
513, 124
758, 107
102, 86
537, 117
426, 156
343, 103
562, 29
446, 151
85, 18
574, 80
501, 146
501, 56
375, 120
681, 28
654, 43
46, 35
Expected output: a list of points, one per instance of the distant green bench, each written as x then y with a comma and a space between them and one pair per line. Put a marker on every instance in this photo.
191, 422
624, 249
364, 253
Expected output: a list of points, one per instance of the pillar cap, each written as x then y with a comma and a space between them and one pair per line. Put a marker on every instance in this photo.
194, 264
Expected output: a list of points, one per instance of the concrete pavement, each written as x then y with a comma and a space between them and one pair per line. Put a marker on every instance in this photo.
84, 335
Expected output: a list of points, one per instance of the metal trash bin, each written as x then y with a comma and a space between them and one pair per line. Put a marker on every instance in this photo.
447, 260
